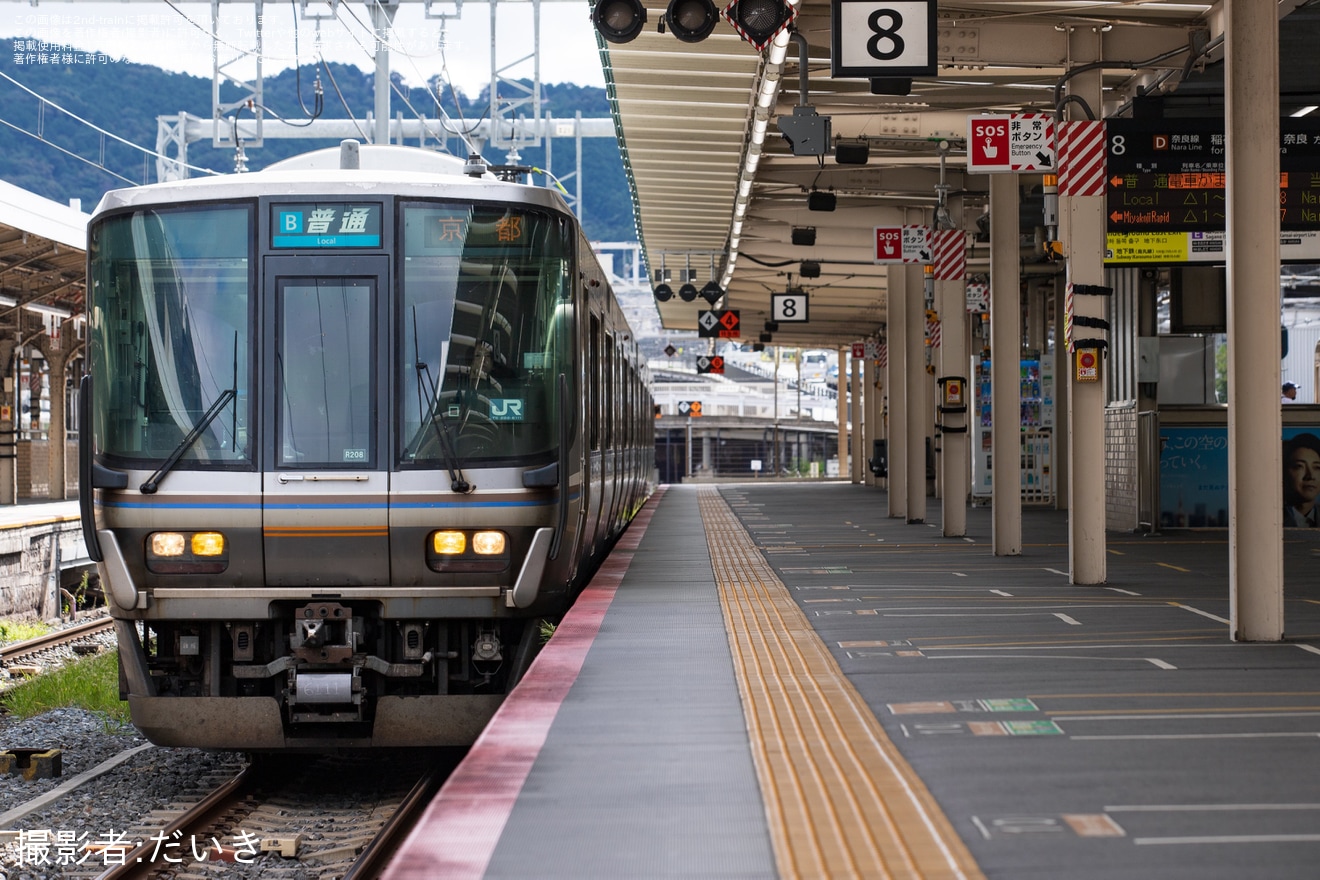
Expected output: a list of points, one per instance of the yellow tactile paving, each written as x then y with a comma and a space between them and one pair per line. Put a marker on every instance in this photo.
840, 799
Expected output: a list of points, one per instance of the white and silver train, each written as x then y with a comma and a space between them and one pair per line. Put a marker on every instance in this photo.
350, 435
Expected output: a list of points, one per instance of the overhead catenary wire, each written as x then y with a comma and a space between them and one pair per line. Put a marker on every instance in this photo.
463, 136
38, 137
325, 65
103, 132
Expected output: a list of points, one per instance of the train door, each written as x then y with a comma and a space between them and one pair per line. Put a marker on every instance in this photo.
325, 478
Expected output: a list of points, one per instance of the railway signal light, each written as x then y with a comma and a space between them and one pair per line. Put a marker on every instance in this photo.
691, 21
618, 21
758, 21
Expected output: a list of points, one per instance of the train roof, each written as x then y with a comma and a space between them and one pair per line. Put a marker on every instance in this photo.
384, 170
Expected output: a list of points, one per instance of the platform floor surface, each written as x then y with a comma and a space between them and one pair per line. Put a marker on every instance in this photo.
1064, 731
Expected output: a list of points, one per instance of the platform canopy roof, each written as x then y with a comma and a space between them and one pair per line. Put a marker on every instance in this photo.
691, 115
43, 254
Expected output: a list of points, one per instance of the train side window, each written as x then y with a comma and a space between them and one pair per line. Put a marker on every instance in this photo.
593, 371
608, 408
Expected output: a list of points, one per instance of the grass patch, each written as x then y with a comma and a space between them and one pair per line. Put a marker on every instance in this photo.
90, 683
547, 630
22, 630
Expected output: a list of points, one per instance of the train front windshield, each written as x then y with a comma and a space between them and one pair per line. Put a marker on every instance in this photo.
480, 330
485, 331
171, 334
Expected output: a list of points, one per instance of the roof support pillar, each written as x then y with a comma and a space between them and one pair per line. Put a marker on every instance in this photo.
914, 375
896, 312
951, 301
841, 397
1005, 365
858, 421
1085, 244
1255, 459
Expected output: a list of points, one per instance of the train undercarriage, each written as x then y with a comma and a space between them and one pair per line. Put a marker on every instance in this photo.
320, 673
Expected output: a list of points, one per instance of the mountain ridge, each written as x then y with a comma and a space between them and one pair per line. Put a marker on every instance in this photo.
126, 98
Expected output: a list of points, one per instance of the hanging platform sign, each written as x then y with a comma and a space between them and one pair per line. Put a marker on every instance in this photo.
902, 244
1012, 142
882, 38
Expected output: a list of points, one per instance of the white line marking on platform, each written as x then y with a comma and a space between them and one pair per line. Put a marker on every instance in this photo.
1160, 663
1214, 617
1237, 838
1312, 648
1176, 716
1002, 593
959, 574
1124, 592
1205, 808
969, 540
1056, 571
1117, 736
980, 826
1071, 621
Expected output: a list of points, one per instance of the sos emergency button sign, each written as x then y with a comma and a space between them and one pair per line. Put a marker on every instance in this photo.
1018, 142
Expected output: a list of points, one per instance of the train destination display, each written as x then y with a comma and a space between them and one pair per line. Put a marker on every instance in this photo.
1168, 175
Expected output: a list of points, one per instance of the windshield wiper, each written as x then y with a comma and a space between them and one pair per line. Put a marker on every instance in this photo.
437, 420
153, 482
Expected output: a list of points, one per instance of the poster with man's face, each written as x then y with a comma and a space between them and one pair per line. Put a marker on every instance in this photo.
1194, 477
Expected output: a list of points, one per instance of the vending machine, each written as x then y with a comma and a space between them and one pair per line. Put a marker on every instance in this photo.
1036, 420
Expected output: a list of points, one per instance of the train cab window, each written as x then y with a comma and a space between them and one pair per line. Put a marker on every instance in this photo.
324, 400
171, 316
483, 332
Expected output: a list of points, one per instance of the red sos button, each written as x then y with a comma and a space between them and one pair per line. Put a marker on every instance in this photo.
988, 144
1087, 362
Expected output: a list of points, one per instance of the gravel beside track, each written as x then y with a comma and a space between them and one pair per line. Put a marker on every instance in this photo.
122, 800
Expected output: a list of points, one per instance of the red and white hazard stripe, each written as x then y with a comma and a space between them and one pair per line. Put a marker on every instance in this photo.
1082, 158
950, 253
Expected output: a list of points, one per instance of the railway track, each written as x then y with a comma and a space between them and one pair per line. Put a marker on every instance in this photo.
282, 816
34, 647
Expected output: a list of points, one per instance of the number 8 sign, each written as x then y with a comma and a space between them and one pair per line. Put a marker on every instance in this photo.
876, 38
789, 308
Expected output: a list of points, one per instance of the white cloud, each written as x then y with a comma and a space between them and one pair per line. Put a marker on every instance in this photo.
155, 33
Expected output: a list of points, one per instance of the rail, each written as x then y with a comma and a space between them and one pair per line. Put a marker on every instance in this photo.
58, 637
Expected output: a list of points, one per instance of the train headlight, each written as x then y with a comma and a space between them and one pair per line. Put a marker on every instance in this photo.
489, 543
165, 544
449, 543
187, 552
468, 551
208, 544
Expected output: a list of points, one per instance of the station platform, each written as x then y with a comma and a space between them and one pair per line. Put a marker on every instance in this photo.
776, 680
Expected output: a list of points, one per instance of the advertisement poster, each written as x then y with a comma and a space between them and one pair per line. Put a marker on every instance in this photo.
1194, 477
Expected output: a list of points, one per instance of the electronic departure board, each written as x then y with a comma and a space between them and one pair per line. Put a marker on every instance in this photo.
1167, 175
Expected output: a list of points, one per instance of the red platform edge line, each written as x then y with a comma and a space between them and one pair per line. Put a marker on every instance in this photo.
458, 833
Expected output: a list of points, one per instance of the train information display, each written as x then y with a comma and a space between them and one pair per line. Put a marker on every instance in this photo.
1168, 175
325, 225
